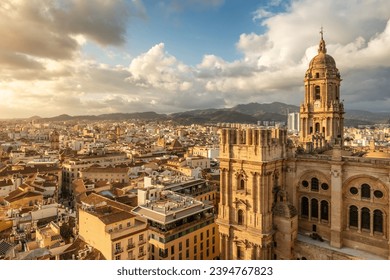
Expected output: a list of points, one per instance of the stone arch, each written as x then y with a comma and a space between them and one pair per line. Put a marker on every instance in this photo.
359, 180
310, 174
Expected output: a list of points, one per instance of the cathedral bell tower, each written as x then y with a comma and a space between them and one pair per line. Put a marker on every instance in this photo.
322, 112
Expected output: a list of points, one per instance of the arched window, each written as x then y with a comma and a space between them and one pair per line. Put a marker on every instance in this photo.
365, 218
317, 128
241, 183
324, 210
353, 216
304, 207
378, 221
240, 217
314, 184
366, 191
314, 208
317, 92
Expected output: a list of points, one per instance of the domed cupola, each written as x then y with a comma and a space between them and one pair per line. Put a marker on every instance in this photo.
322, 65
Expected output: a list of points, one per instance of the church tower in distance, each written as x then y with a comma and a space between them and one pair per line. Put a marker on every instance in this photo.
322, 112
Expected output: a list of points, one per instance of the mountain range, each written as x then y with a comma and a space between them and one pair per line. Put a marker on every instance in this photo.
242, 113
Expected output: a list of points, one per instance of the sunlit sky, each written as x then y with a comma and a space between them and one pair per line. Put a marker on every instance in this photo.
83, 57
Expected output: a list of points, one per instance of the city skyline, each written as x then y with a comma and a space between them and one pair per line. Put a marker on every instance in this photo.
85, 58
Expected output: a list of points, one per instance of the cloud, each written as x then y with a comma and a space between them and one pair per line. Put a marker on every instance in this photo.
157, 69
358, 41
261, 14
45, 70
47, 28
174, 6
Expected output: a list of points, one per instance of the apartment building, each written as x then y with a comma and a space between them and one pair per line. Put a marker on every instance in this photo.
180, 227
73, 166
111, 228
111, 174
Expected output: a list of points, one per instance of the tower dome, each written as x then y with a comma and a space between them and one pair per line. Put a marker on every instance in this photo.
322, 65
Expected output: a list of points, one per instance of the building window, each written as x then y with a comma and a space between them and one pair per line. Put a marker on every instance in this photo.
240, 217
378, 194
353, 216
172, 249
353, 190
366, 191
187, 253
378, 221
240, 253
365, 218
305, 183
118, 257
195, 239
195, 249
324, 186
304, 207
130, 255
201, 236
317, 127
324, 210
141, 237
241, 185
208, 233
314, 208
314, 184
317, 93
187, 243
180, 246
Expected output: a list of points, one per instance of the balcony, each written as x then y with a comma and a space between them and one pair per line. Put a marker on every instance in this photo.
118, 250
130, 246
141, 255
141, 242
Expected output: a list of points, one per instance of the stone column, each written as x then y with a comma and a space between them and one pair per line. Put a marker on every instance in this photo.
336, 203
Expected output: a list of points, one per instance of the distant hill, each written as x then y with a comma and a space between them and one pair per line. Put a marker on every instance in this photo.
114, 117
259, 109
242, 113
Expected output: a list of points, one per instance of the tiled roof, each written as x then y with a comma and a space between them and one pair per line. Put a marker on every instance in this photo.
4, 247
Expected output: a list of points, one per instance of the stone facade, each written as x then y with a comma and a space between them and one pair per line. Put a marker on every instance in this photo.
312, 202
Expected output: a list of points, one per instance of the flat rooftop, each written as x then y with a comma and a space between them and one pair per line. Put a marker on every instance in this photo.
171, 207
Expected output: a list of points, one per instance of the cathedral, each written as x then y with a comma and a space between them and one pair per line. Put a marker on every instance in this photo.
311, 200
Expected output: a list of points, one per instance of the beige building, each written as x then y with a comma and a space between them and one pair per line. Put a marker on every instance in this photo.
111, 228
314, 201
71, 167
180, 227
111, 174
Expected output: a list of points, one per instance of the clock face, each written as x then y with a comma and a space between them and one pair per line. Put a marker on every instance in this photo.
317, 104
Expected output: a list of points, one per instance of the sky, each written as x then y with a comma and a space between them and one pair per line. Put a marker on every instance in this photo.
91, 57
